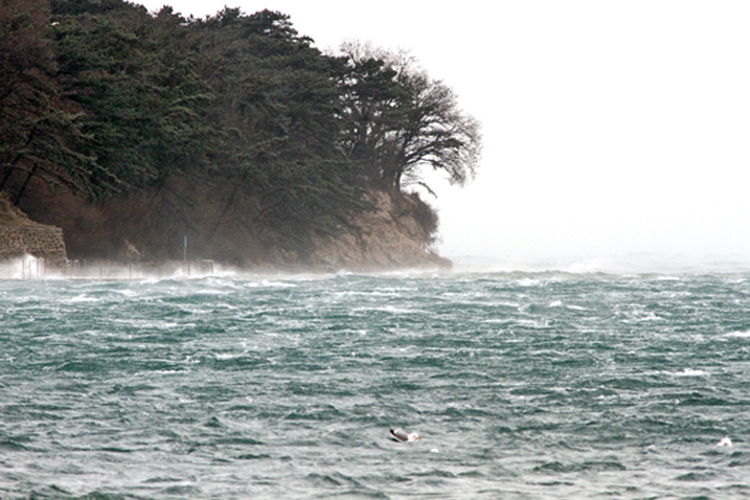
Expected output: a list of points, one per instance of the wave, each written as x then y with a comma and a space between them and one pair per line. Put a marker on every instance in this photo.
741, 334
517, 379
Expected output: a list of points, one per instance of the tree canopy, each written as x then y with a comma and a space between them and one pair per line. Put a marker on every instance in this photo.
110, 101
396, 120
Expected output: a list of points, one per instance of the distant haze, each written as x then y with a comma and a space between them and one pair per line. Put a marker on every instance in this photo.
610, 128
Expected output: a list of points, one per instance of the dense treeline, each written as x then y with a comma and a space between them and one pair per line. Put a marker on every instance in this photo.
155, 120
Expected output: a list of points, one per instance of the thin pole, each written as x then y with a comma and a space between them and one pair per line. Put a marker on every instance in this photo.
184, 258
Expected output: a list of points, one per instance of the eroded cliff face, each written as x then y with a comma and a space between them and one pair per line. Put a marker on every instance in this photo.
387, 237
394, 234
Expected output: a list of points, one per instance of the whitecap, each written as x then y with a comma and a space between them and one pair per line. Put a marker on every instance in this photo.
530, 323
84, 298
277, 284
225, 356
528, 282
689, 372
142, 324
576, 308
741, 335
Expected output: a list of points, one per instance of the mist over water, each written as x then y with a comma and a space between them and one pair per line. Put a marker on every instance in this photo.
567, 383
624, 264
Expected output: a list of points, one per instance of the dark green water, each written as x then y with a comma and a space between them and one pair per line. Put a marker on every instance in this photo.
537, 385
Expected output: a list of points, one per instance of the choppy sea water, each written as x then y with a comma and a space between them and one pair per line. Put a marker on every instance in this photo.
522, 385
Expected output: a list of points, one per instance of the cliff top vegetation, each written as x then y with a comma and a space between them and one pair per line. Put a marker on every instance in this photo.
148, 127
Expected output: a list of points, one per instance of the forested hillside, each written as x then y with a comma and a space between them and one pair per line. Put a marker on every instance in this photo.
121, 125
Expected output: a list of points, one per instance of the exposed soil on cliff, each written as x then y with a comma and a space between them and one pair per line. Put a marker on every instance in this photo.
388, 236
395, 233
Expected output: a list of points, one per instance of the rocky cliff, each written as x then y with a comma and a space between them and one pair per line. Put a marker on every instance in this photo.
388, 236
396, 232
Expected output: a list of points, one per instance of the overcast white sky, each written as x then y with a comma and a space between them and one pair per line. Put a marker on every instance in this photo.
610, 127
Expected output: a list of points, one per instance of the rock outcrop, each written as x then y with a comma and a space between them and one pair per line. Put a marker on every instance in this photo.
386, 237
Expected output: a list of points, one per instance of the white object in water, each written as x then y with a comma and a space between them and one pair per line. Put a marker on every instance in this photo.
725, 441
403, 436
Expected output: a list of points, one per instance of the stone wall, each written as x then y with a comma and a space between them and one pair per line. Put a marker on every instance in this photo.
37, 240
20, 236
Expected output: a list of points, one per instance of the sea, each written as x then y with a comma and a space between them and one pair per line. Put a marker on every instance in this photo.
544, 383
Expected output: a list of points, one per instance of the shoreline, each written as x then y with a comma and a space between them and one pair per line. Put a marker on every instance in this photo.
30, 267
